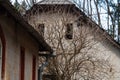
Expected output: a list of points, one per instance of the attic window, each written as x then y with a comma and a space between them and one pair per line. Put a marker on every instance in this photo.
69, 31
41, 29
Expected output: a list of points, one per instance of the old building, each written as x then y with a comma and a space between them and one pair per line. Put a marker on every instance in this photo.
20, 45
75, 38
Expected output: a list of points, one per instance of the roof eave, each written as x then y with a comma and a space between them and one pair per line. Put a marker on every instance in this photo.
43, 45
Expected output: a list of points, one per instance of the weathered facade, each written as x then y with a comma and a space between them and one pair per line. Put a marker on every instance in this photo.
19, 46
68, 30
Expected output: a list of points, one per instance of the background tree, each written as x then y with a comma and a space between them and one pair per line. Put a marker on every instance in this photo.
117, 17
16, 4
77, 58
101, 11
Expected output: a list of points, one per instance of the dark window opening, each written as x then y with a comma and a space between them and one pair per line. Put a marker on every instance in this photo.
69, 31
3, 51
22, 63
41, 29
34, 68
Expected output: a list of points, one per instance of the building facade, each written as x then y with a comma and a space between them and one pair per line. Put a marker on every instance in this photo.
72, 34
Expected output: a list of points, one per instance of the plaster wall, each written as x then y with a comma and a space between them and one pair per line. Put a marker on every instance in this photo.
16, 37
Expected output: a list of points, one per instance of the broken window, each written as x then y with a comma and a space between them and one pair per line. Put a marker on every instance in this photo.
69, 31
41, 29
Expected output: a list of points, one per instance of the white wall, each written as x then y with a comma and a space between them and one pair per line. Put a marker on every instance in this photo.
103, 49
16, 37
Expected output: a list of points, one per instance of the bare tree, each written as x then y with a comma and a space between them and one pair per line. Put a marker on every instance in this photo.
99, 8
30, 3
76, 41
77, 57
95, 9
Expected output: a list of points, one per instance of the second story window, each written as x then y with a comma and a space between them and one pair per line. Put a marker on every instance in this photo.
69, 31
41, 29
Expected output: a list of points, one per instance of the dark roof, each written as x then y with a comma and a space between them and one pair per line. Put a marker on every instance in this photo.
55, 2
16, 15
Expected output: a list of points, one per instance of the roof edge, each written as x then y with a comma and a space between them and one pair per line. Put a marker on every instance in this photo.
40, 40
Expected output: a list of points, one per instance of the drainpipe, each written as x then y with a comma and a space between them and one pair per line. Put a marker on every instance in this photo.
42, 68
44, 64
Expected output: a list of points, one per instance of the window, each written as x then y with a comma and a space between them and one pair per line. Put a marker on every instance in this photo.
41, 29
22, 63
34, 68
69, 31
2, 54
